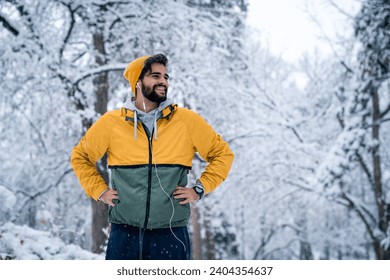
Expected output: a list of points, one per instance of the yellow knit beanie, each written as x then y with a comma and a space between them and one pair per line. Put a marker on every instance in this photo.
133, 71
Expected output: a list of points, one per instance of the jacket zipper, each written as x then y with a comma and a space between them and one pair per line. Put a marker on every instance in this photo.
150, 166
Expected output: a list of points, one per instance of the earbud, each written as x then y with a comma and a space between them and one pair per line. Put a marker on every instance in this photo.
143, 100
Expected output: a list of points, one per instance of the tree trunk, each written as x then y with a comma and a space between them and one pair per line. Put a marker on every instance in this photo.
381, 252
210, 246
99, 209
196, 239
305, 252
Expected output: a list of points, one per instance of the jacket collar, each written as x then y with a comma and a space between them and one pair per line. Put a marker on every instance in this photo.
165, 112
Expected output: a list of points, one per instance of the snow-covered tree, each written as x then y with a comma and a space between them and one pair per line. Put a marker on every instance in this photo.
355, 174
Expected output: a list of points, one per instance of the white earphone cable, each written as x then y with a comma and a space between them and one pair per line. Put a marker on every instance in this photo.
170, 199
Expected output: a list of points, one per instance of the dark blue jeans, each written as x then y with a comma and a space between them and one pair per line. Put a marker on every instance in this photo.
132, 243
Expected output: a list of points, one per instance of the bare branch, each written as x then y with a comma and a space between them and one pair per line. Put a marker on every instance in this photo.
331, 44
338, 8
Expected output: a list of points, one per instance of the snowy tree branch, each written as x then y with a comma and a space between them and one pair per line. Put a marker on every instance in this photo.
365, 168
304, 188
98, 70
246, 136
71, 26
292, 241
7, 25
37, 194
295, 132
30, 25
385, 120
385, 112
36, 130
361, 212
264, 241
119, 17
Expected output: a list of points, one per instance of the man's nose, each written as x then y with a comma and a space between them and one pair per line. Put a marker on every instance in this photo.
163, 81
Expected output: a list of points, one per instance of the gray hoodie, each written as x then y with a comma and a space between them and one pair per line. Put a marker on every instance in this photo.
149, 119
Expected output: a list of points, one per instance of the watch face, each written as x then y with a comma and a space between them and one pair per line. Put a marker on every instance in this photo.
199, 191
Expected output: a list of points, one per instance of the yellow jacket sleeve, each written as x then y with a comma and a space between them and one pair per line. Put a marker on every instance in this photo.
214, 150
91, 148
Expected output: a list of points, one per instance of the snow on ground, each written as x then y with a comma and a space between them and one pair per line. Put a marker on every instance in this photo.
25, 243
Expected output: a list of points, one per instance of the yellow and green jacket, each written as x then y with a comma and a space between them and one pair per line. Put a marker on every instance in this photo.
145, 169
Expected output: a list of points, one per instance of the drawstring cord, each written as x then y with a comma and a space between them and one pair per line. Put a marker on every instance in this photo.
135, 124
155, 125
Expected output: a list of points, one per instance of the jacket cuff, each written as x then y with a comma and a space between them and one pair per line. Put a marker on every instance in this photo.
101, 195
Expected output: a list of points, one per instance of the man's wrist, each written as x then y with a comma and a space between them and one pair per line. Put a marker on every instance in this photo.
100, 196
199, 189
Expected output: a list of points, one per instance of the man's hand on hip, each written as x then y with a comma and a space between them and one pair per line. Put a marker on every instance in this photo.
187, 194
108, 197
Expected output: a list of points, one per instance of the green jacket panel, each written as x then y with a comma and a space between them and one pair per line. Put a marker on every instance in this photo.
142, 208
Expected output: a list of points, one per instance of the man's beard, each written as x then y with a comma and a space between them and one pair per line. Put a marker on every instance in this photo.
152, 95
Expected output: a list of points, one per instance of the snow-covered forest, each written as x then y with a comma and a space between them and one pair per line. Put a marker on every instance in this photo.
311, 177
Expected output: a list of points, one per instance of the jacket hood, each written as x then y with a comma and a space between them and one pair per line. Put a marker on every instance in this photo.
150, 118
130, 105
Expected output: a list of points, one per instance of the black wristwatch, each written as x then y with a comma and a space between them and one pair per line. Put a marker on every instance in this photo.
199, 190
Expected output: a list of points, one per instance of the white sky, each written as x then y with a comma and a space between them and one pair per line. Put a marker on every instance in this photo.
288, 29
